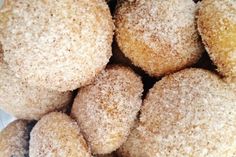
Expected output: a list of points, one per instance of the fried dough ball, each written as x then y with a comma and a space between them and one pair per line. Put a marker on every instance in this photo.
57, 135
59, 45
106, 110
190, 113
217, 26
26, 102
159, 36
14, 139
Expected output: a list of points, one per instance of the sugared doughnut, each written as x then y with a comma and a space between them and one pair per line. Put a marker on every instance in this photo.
59, 45
217, 26
26, 102
57, 135
106, 110
14, 139
190, 113
159, 36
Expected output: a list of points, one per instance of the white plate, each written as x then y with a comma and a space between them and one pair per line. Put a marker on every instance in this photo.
5, 119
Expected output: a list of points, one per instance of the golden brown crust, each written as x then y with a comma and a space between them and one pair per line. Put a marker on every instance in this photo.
14, 139
26, 102
217, 26
59, 45
153, 43
110, 105
190, 113
57, 135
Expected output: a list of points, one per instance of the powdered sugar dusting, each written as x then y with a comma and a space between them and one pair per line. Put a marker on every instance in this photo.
217, 26
160, 19
60, 45
56, 134
26, 102
106, 110
190, 113
227, 9
166, 29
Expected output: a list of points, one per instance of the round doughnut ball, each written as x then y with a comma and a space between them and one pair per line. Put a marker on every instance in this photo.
159, 36
57, 135
217, 26
190, 113
14, 139
106, 110
26, 102
59, 45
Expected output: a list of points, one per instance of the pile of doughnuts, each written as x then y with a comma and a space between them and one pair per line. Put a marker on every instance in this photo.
118, 78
